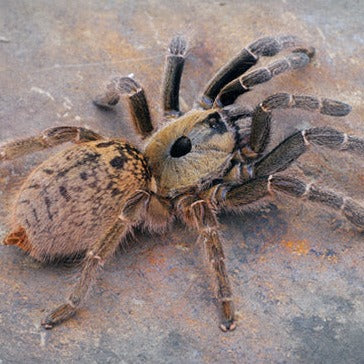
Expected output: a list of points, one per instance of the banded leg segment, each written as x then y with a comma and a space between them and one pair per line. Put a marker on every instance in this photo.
133, 212
200, 215
137, 101
236, 197
353, 211
46, 139
291, 148
245, 59
240, 85
110, 98
94, 259
261, 119
173, 68
224, 294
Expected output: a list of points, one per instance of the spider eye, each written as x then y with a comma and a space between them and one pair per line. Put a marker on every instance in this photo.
217, 124
181, 147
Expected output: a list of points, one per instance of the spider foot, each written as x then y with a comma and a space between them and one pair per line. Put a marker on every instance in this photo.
106, 101
109, 98
60, 314
228, 325
228, 322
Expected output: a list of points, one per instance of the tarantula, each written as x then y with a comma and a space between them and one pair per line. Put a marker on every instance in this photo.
87, 198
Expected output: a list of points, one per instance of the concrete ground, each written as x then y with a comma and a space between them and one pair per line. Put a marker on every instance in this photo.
296, 269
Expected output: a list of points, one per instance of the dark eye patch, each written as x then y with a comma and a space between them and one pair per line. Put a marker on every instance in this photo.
216, 123
181, 147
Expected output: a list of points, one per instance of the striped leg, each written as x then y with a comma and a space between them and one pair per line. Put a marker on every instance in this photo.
236, 197
137, 101
295, 145
216, 257
173, 68
353, 211
46, 139
298, 59
199, 214
245, 59
261, 119
93, 261
129, 217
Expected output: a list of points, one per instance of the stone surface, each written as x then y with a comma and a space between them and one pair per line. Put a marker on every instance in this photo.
296, 270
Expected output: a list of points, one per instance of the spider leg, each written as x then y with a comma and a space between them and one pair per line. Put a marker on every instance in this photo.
137, 101
110, 98
353, 211
173, 68
46, 139
233, 197
94, 259
202, 217
236, 197
216, 259
245, 59
297, 59
261, 118
279, 159
131, 215
296, 144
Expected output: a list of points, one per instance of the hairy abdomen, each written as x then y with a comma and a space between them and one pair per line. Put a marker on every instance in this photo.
70, 200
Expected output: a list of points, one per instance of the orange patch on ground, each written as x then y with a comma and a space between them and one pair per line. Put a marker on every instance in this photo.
299, 247
153, 260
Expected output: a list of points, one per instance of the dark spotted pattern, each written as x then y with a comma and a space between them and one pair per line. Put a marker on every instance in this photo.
137, 158
88, 158
86, 192
105, 144
118, 162
34, 211
48, 204
83, 175
64, 193
48, 171
115, 192
35, 186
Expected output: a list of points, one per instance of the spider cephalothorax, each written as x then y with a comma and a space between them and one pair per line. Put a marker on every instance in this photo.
87, 198
191, 150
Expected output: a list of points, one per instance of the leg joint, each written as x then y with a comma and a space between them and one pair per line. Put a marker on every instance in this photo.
305, 139
92, 255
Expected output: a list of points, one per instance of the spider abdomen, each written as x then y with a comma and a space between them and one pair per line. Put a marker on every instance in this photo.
70, 200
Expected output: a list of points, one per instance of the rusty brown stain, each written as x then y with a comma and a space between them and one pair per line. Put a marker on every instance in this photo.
156, 260
297, 247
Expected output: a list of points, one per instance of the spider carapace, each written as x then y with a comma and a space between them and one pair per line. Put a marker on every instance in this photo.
87, 198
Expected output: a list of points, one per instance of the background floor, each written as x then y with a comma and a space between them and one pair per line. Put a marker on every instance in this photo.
296, 270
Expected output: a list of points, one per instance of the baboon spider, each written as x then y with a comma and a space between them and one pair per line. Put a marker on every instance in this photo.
88, 197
